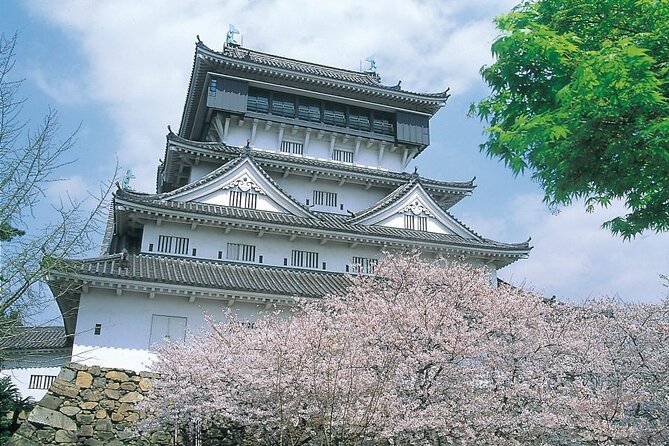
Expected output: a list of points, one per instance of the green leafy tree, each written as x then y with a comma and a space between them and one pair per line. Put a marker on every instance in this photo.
578, 97
11, 406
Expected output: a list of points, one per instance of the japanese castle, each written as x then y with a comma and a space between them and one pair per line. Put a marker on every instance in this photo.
285, 178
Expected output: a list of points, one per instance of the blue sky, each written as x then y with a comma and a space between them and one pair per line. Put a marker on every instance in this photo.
120, 71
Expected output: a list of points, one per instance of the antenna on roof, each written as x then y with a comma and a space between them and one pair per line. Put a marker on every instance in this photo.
230, 37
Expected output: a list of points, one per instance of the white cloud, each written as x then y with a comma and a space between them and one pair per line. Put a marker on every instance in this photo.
66, 189
574, 258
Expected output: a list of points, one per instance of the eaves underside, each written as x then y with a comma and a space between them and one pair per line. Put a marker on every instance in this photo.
222, 152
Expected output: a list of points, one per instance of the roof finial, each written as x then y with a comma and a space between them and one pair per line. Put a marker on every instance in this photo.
125, 184
415, 171
169, 129
230, 37
371, 71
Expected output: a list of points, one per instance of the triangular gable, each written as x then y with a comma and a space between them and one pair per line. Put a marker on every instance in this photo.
411, 207
245, 178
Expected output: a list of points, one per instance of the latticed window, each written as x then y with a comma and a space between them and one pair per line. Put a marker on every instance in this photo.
323, 198
296, 148
172, 245
238, 251
417, 222
364, 265
41, 382
345, 156
304, 259
241, 199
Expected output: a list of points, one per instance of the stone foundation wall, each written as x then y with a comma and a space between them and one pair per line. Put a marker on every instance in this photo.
90, 406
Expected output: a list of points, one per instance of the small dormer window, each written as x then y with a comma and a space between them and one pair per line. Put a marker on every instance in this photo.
417, 222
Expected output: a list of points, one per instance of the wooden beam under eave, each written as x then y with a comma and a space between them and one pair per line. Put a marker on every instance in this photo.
341, 182
218, 126
368, 185
285, 173
323, 241
314, 177
254, 129
191, 298
353, 245
260, 233
280, 139
292, 237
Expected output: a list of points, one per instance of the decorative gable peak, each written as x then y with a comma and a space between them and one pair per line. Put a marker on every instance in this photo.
245, 184
239, 183
412, 207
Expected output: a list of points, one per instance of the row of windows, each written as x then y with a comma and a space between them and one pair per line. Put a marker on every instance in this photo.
299, 258
314, 110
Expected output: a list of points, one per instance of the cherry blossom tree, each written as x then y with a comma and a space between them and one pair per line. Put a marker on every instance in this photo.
427, 353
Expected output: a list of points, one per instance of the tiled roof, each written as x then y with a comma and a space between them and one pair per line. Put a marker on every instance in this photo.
313, 69
21, 338
262, 157
322, 221
214, 274
222, 170
388, 200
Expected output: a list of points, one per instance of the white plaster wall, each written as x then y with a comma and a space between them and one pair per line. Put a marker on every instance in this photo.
201, 170
397, 221
208, 241
318, 147
21, 379
354, 197
126, 325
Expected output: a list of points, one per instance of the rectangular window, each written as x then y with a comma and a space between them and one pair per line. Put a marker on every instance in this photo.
364, 265
41, 382
383, 123
212, 87
344, 156
283, 105
334, 114
304, 259
258, 100
166, 328
358, 119
244, 253
172, 245
309, 110
296, 148
415, 222
322, 198
241, 199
